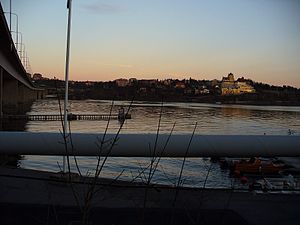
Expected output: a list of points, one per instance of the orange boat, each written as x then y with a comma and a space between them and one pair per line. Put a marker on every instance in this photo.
255, 165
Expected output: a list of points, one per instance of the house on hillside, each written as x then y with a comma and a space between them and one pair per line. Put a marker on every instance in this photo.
231, 87
121, 82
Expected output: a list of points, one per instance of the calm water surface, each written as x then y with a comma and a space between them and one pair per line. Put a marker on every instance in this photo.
211, 119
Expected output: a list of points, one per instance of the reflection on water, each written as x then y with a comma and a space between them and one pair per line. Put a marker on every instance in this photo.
212, 119
9, 125
133, 169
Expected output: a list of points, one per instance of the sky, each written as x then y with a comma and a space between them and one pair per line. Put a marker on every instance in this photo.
160, 39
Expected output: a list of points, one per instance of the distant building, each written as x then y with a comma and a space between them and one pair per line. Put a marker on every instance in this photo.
37, 76
122, 82
132, 81
180, 85
89, 83
148, 83
231, 87
167, 82
229, 78
143, 90
188, 91
245, 88
201, 91
215, 83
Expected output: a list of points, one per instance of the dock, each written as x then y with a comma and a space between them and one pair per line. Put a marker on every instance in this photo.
57, 117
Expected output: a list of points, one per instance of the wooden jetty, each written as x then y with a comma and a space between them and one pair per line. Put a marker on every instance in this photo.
55, 117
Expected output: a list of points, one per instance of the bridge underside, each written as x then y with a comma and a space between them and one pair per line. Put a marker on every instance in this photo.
16, 89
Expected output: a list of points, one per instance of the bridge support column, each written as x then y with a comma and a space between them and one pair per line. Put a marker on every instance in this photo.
10, 96
1, 91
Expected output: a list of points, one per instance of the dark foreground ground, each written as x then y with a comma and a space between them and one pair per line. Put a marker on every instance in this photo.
35, 197
36, 214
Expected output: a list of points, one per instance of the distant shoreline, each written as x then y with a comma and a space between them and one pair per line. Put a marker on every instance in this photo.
199, 91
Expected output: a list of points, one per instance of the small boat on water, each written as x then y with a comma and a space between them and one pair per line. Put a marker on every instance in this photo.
255, 165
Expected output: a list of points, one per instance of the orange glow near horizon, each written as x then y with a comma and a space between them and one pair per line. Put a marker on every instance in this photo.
158, 39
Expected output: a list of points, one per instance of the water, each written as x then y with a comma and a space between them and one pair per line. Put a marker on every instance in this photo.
211, 119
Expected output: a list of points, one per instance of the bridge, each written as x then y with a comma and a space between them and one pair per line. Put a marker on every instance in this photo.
17, 92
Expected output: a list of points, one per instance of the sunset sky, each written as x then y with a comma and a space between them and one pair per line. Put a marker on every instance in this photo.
257, 39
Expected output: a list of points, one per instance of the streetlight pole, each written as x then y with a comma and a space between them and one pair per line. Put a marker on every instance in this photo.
17, 26
29, 66
65, 128
25, 61
17, 43
10, 15
22, 53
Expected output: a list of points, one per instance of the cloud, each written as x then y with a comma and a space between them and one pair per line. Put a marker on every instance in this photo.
101, 8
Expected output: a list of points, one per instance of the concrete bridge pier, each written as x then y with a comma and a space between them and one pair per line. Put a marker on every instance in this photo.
10, 96
1, 97
26, 97
15, 97
1, 91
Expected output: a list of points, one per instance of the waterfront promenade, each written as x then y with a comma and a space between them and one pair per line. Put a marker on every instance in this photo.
228, 206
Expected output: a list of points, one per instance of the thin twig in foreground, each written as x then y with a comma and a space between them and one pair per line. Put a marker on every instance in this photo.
181, 171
